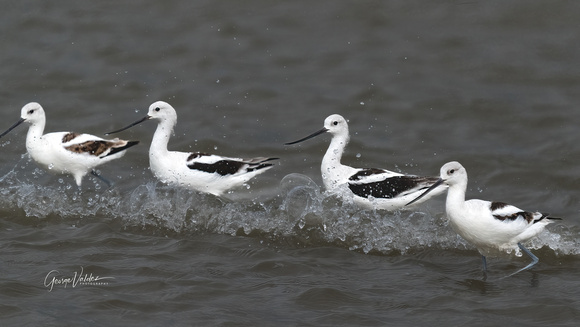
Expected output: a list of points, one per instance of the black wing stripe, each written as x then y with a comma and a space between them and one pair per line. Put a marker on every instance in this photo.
366, 172
222, 167
528, 216
390, 187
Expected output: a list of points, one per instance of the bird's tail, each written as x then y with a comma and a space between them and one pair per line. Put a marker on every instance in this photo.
547, 216
124, 147
259, 163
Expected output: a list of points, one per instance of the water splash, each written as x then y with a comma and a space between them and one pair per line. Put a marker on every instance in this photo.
299, 212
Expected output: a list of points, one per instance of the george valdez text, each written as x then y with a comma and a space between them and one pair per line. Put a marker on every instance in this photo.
53, 278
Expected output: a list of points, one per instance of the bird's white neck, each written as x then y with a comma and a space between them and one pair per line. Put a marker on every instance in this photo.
331, 168
161, 138
34, 135
455, 198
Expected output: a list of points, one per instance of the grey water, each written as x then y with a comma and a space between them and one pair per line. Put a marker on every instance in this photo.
493, 85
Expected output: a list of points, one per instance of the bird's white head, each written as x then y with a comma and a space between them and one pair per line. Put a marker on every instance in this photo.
162, 111
453, 173
336, 125
333, 124
32, 113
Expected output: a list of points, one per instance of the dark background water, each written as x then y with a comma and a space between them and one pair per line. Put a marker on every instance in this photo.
492, 85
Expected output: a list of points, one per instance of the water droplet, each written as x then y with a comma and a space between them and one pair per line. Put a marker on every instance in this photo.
301, 223
50, 166
358, 155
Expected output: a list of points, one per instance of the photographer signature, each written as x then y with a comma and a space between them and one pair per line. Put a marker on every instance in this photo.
54, 278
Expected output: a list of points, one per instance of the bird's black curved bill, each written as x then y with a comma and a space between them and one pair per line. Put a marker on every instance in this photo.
131, 125
324, 130
20, 121
437, 183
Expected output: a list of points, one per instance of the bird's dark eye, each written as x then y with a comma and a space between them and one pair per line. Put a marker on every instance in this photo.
334, 123
31, 111
451, 171
157, 109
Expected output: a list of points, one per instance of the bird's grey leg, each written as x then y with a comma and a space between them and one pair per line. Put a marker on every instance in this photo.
531, 255
484, 262
103, 179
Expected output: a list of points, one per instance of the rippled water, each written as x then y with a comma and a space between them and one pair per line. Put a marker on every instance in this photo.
491, 85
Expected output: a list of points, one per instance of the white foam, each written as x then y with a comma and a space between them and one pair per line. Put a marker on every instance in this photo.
298, 213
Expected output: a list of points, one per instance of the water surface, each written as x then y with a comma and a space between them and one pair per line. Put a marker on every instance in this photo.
491, 85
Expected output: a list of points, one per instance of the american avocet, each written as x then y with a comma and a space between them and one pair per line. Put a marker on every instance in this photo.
67, 152
369, 187
489, 226
199, 171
